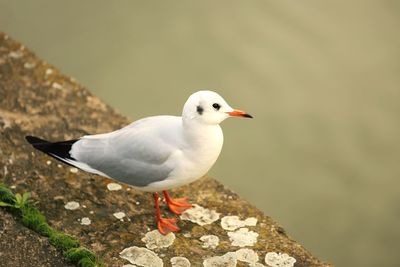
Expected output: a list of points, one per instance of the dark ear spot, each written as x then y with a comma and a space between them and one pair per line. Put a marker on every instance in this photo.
200, 110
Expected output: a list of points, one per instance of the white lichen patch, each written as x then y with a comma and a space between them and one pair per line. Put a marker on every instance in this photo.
154, 239
243, 237
86, 221
48, 162
6, 124
73, 170
141, 257
15, 54
119, 215
201, 216
226, 260
29, 65
247, 255
231, 223
56, 85
49, 71
274, 259
209, 241
180, 262
72, 205
114, 187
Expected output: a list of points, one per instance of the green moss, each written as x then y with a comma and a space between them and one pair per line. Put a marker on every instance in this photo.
6, 195
75, 254
35, 220
87, 262
82, 256
63, 241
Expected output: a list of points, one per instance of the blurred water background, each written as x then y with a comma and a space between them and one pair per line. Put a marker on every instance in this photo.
321, 78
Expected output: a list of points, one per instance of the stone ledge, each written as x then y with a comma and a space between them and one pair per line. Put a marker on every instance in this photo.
35, 98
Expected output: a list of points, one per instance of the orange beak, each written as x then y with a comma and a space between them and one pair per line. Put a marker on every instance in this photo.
239, 113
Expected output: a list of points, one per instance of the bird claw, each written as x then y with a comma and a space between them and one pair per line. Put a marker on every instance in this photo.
166, 226
178, 205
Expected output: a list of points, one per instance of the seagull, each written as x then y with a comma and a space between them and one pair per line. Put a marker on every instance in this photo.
155, 153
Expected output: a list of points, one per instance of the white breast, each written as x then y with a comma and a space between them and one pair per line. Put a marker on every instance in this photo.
195, 158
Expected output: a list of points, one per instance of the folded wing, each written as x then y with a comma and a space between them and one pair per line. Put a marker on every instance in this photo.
134, 155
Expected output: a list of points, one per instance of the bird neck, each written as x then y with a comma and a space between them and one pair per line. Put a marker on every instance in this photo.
200, 133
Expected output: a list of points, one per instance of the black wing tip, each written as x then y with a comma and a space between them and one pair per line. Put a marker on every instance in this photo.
59, 150
34, 140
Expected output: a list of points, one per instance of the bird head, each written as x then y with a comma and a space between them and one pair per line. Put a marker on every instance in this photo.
209, 107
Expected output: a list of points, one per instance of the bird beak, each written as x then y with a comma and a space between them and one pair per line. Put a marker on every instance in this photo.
239, 113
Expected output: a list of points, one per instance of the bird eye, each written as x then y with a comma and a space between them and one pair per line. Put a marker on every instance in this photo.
216, 106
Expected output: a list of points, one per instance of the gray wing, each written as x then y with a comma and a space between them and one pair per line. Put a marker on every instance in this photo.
133, 155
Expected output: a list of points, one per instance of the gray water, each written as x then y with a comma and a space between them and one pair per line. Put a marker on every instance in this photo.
320, 77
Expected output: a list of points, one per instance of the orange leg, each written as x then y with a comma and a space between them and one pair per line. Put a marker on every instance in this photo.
164, 225
176, 205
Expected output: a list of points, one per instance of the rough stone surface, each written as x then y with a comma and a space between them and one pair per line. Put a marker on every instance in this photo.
19, 246
36, 99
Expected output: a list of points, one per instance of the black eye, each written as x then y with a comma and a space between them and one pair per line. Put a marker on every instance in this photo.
216, 106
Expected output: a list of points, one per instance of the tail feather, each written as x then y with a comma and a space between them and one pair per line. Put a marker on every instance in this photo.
58, 150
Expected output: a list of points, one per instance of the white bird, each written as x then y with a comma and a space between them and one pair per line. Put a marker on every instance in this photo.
154, 153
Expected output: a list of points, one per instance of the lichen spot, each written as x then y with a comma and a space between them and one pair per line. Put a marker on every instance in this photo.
56, 85
72, 205
155, 240
15, 54
73, 170
29, 65
180, 262
86, 221
119, 215
114, 187
231, 223
247, 255
141, 257
209, 241
226, 260
49, 71
274, 259
201, 216
243, 237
